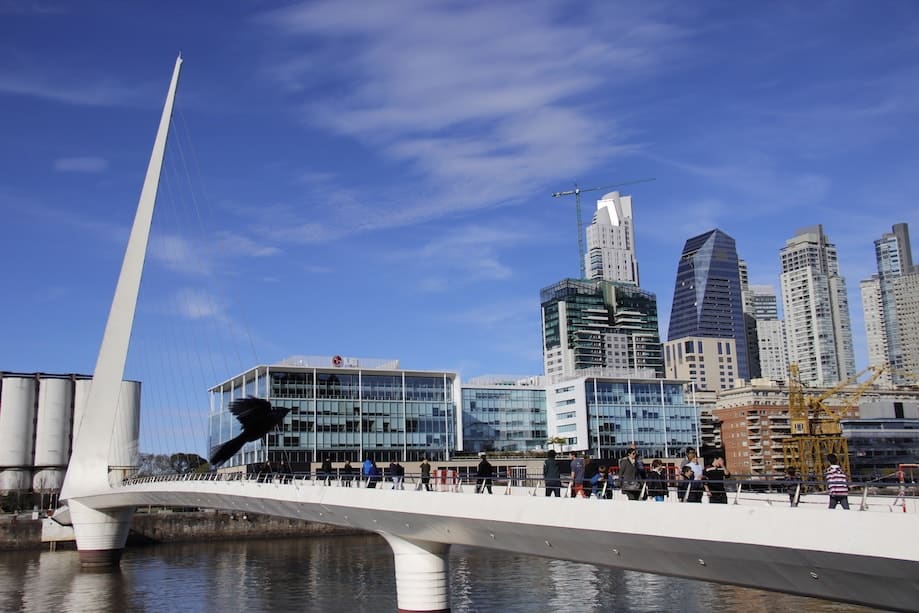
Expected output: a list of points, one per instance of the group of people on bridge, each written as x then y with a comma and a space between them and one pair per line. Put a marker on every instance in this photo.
588, 477
592, 478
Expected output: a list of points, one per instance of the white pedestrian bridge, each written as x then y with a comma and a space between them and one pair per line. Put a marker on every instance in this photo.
867, 555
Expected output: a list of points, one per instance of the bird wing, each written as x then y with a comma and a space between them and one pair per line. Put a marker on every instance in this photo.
250, 411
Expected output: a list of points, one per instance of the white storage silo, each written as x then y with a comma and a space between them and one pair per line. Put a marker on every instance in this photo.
17, 411
81, 388
52, 433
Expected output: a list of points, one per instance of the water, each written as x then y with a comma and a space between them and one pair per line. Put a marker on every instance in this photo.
350, 574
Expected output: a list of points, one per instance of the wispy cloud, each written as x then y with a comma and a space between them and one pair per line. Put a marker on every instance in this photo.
81, 164
483, 102
195, 304
101, 93
35, 7
465, 254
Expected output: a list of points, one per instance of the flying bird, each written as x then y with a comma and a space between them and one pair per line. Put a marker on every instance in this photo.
257, 418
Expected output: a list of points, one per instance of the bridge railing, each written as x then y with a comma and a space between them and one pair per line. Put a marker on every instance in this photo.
862, 496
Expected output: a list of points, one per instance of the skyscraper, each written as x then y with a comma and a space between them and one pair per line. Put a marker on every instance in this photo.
770, 332
707, 300
817, 325
883, 324
600, 325
611, 241
749, 320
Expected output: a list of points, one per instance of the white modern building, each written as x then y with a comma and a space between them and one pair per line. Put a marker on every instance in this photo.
605, 415
611, 241
816, 307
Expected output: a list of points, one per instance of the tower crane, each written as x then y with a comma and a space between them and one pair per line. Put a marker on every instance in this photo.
815, 427
576, 192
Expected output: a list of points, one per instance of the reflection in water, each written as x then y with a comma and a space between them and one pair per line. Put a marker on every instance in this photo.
348, 573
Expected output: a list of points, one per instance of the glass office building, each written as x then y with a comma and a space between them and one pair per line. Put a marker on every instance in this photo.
707, 299
606, 416
504, 414
343, 409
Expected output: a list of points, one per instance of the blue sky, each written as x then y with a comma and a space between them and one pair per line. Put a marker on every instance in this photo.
374, 179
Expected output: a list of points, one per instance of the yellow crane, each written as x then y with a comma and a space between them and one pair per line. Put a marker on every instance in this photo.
815, 427
576, 192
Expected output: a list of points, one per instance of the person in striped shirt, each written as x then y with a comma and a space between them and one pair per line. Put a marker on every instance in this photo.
837, 483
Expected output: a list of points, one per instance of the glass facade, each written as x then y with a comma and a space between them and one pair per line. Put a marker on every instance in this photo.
707, 299
343, 414
596, 315
653, 415
878, 446
503, 418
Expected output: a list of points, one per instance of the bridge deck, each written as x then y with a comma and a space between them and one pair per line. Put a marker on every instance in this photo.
866, 557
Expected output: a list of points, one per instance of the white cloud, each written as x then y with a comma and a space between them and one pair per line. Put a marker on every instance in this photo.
81, 164
195, 304
484, 101
104, 93
464, 254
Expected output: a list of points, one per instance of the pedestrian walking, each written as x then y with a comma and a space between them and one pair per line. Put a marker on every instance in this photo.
552, 476
837, 483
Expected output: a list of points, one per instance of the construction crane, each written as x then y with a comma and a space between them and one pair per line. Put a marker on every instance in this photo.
576, 192
816, 430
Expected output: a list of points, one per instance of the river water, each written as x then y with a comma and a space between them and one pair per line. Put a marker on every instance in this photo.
350, 574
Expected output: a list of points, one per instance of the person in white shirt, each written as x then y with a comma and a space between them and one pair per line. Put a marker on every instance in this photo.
692, 460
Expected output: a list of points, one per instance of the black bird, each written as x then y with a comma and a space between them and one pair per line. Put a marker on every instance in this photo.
257, 418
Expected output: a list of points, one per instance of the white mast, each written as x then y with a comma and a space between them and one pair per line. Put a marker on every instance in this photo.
89, 462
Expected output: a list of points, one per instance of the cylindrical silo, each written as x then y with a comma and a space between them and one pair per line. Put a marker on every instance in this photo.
52, 433
81, 390
17, 411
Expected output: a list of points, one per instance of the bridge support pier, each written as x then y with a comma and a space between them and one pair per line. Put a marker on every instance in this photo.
421, 575
100, 535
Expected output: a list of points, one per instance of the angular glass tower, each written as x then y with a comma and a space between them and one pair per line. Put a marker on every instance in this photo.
707, 299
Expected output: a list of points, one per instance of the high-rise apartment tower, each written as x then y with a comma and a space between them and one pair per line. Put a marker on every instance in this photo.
817, 324
883, 321
611, 241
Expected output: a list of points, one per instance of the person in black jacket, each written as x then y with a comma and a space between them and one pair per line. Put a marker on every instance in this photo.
656, 482
552, 476
483, 475
690, 488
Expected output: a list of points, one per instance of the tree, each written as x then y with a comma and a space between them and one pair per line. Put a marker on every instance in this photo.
162, 464
183, 463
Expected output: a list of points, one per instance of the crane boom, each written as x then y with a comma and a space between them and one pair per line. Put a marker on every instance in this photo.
576, 192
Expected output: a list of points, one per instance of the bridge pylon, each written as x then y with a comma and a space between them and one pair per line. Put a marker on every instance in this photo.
421, 575
105, 440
